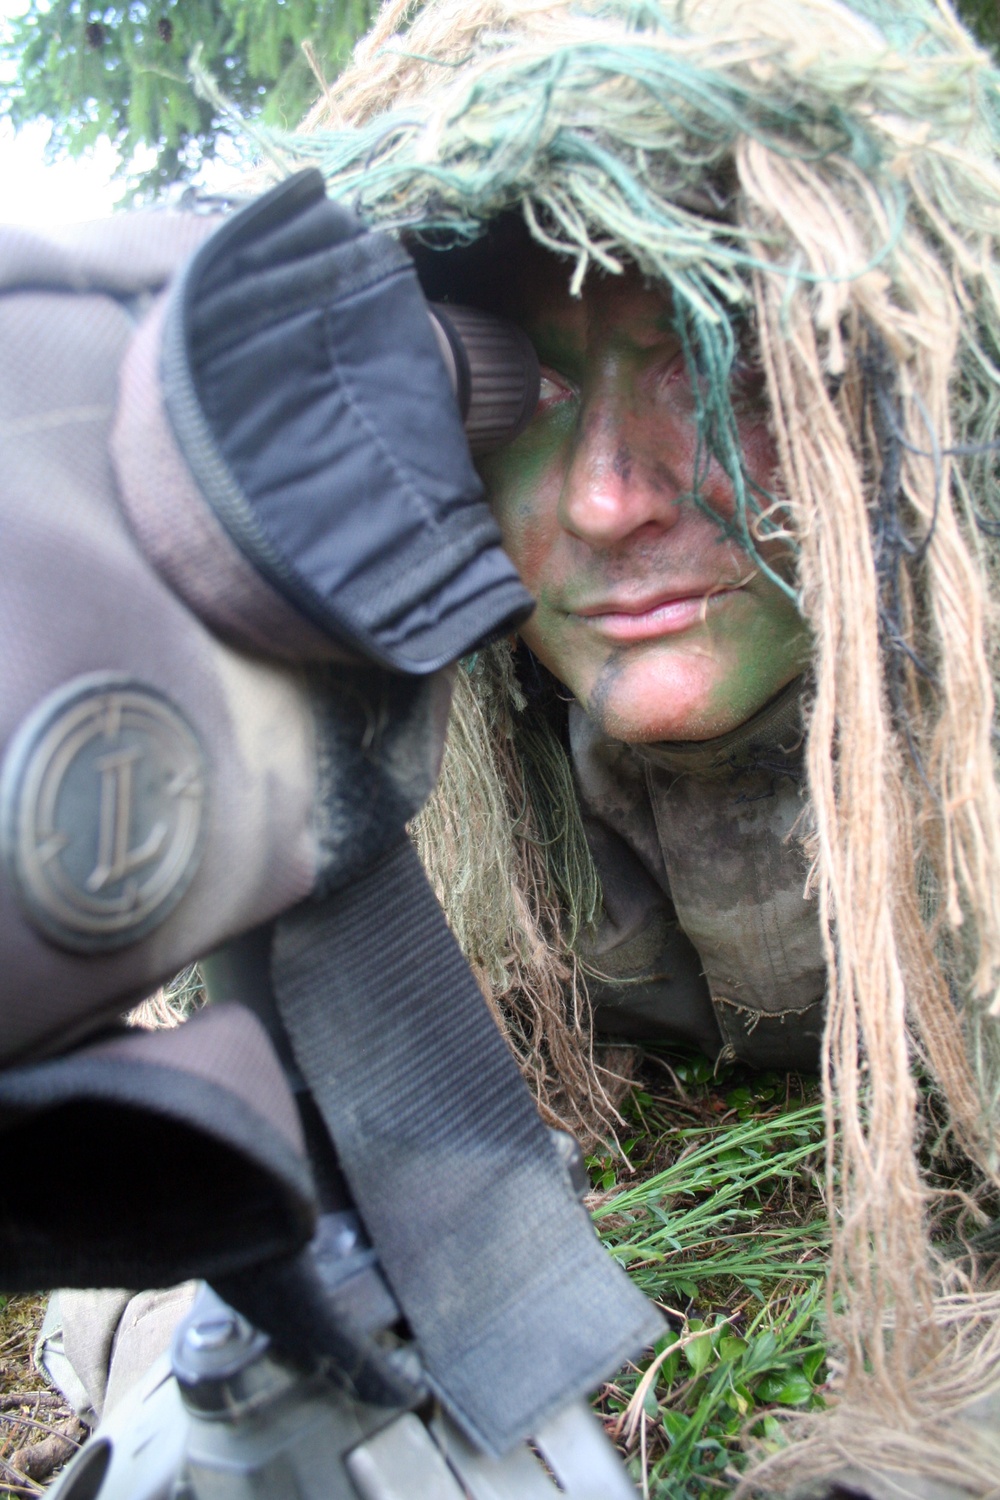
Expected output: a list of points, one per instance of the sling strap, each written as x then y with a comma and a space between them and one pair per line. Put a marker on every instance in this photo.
515, 1307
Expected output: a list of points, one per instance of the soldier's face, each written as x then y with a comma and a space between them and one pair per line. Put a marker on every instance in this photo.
659, 625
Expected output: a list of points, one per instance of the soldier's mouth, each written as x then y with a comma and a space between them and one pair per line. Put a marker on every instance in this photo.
648, 619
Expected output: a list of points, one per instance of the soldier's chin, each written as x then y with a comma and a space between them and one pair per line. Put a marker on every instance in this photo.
650, 697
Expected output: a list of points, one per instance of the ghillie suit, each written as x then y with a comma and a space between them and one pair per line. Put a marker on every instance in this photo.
829, 175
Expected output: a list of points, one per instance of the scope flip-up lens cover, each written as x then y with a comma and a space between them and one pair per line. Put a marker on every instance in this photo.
307, 391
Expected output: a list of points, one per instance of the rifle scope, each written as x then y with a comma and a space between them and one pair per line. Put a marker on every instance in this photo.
493, 370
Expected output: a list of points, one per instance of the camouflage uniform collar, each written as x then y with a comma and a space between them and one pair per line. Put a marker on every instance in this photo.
771, 740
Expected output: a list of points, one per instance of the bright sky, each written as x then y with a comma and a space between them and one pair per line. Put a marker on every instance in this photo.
32, 192
35, 193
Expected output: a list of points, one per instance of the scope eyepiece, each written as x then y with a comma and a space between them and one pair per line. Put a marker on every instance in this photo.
493, 370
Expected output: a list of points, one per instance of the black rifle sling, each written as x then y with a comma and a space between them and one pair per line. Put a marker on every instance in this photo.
515, 1306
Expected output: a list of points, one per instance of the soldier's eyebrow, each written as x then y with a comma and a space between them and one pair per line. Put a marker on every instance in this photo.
562, 348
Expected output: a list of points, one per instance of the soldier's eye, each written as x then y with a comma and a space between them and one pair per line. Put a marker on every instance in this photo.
748, 385
554, 389
747, 379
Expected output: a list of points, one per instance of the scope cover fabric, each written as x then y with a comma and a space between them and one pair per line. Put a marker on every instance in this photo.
309, 397
161, 791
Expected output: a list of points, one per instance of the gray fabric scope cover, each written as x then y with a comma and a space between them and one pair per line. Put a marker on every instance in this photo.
164, 783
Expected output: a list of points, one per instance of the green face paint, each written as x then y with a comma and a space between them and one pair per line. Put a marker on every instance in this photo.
661, 626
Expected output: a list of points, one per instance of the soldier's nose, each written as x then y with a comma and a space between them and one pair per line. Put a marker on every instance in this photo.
614, 485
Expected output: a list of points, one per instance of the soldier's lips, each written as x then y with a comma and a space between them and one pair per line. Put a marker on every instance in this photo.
649, 619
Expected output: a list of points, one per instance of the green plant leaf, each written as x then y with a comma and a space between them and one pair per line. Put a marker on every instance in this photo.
699, 1353
761, 1353
675, 1425
789, 1389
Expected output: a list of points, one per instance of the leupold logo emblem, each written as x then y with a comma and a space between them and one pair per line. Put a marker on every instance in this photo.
103, 797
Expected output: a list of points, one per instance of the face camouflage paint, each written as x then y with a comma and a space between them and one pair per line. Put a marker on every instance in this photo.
661, 625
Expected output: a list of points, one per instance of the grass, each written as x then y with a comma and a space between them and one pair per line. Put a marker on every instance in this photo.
714, 1208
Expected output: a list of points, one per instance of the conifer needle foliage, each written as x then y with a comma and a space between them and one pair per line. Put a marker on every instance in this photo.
120, 70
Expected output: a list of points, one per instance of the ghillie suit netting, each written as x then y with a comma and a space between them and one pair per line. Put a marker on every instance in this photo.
827, 178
